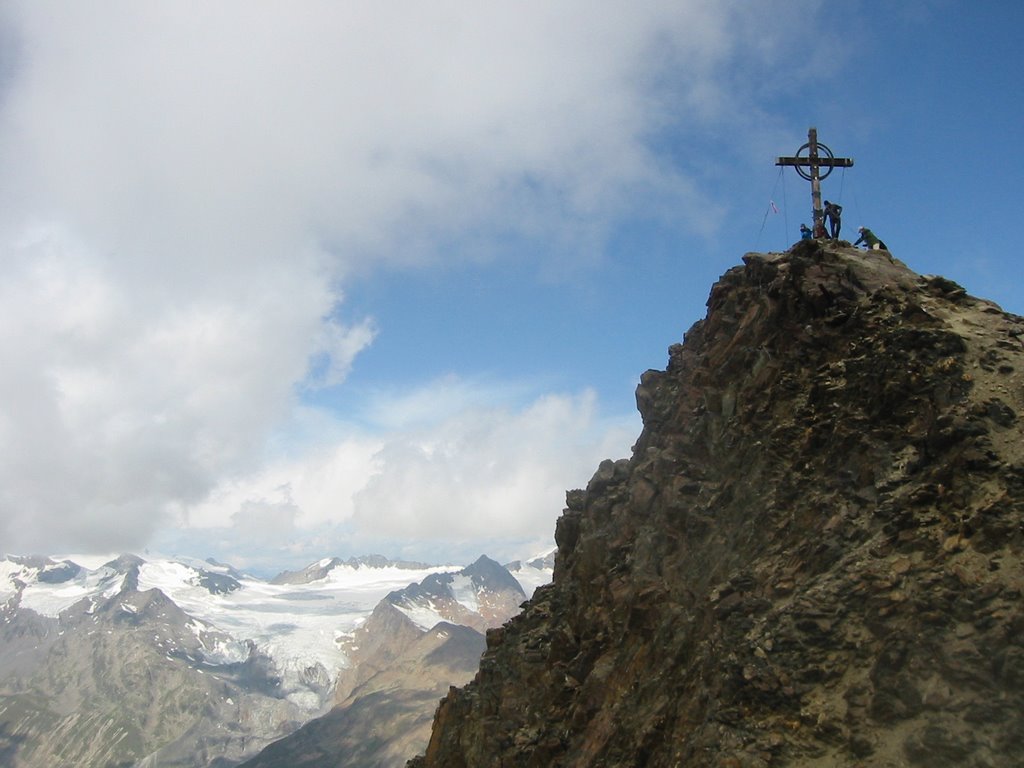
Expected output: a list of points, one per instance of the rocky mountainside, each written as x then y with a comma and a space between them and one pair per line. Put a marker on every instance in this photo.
177, 662
812, 557
124, 674
416, 644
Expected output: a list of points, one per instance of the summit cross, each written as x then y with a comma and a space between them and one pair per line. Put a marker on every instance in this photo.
818, 156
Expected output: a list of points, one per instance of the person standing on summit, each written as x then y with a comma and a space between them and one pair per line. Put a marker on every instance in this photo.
834, 213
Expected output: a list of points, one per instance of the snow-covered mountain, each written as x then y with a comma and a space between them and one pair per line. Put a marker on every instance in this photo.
184, 662
337, 569
417, 642
481, 595
533, 573
296, 628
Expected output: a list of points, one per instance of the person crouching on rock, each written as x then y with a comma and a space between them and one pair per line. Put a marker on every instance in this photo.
870, 240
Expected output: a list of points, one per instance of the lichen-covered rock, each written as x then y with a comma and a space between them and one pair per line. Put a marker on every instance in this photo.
813, 556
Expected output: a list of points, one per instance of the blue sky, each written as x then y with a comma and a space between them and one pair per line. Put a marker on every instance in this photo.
288, 282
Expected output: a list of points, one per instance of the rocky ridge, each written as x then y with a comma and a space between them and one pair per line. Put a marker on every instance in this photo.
812, 557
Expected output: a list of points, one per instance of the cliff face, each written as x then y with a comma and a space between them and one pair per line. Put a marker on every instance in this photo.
812, 558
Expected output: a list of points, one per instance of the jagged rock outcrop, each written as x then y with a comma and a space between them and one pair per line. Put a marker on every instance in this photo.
812, 558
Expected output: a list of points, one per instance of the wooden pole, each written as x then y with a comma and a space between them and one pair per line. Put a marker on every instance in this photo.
816, 210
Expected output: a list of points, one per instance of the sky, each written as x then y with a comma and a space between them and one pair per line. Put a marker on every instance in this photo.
281, 281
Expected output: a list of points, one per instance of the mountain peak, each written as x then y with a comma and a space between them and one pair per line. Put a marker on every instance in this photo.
488, 573
811, 557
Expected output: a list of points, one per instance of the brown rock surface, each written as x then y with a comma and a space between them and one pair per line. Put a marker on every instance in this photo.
812, 558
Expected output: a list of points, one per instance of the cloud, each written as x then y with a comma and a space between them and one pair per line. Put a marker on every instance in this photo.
221, 133
486, 472
456, 481
188, 186
317, 486
112, 413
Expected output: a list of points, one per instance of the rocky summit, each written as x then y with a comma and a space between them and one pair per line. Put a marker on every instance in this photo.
812, 557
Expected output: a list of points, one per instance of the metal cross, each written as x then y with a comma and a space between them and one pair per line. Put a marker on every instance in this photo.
818, 156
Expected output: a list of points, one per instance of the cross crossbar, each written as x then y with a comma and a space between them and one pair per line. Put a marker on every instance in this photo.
832, 162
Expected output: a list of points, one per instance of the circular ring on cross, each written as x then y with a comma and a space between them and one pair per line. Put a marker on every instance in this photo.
823, 151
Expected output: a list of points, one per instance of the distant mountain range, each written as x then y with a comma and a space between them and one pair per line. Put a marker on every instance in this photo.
322, 569
187, 663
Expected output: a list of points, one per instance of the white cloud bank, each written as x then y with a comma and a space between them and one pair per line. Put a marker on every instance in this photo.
443, 483
187, 185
